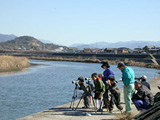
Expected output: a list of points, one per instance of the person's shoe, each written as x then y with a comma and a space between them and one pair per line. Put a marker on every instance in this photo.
121, 111
110, 111
124, 113
104, 107
85, 107
99, 110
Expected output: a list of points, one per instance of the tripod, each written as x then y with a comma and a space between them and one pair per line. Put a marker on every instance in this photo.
90, 94
74, 97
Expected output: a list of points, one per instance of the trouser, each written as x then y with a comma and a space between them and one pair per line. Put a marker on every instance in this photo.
140, 105
86, 101
106, 99
115, 99
128, 91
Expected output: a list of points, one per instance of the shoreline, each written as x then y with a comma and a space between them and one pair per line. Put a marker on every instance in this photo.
94, 60
64, 112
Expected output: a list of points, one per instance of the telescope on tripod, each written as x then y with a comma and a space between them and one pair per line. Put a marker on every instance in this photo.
75, 95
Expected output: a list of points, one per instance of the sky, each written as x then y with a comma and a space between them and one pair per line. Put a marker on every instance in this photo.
67, 22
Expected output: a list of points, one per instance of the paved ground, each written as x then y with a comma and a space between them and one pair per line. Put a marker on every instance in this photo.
64, 112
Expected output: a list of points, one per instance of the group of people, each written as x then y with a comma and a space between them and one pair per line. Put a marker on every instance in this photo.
107, 91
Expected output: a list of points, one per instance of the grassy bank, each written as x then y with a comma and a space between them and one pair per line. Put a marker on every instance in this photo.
95, 60
10, 63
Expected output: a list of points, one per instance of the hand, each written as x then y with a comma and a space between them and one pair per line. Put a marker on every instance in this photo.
102, 76
125, 86
109, 82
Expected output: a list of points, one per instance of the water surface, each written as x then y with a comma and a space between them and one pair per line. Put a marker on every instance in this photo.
47, 86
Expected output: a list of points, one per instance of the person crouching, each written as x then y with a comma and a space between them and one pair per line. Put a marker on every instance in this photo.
115, 94
142, 98
99, 90
85, 88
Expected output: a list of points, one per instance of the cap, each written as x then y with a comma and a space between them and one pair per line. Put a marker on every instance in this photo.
144, 77
111, 78
81, 79
120, 64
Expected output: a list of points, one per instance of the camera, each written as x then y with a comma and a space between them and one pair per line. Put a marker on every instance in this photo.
75, 82
89, 79
138, 78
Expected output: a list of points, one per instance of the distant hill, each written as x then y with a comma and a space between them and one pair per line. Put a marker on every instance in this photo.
4, 37
129, 44
27, 43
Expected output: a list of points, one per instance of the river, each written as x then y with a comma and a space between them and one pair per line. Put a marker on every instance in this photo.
47, 85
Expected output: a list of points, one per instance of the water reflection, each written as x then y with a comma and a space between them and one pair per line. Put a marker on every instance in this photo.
13, 72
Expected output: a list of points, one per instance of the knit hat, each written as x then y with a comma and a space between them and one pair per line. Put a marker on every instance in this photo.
81, 79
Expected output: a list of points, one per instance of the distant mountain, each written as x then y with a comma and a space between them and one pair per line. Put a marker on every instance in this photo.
4, 37
45, 41
27, 43
128, 44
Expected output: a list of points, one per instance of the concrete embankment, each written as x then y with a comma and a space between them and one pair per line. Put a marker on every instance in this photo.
64, 112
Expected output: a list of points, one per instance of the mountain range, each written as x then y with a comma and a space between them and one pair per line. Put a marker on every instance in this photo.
128, 44
27, 43
4, 37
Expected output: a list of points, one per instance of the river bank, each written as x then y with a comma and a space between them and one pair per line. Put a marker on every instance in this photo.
11, 63
95, 60
64, 112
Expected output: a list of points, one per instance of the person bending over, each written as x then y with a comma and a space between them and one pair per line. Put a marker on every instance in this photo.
99, 90
115, 94
85, 88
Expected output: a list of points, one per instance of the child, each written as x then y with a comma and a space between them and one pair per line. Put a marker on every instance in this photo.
115, 94
99, 90
85, 88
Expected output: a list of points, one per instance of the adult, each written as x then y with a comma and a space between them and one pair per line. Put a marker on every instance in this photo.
106, 74
143, 99
128, 78
143, 81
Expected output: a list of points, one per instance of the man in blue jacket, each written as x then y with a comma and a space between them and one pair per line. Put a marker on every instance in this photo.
106, 74
128, 78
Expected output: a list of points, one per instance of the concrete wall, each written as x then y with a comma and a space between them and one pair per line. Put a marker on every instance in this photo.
100, 56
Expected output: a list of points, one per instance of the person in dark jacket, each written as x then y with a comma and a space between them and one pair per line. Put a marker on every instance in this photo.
115, 94
143, 81
106, 74
142, 98
85, 88
99, 90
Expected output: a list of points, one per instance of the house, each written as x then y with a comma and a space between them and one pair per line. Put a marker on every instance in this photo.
72, 50
151, 49
110, 50
87, 50
124, 50
95, 50
138, 50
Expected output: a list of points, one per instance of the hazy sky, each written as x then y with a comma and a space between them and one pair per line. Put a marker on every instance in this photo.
68, 22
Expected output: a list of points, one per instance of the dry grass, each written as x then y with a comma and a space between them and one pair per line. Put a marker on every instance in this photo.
9, 63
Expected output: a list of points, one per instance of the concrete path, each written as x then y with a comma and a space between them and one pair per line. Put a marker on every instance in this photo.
64, 112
